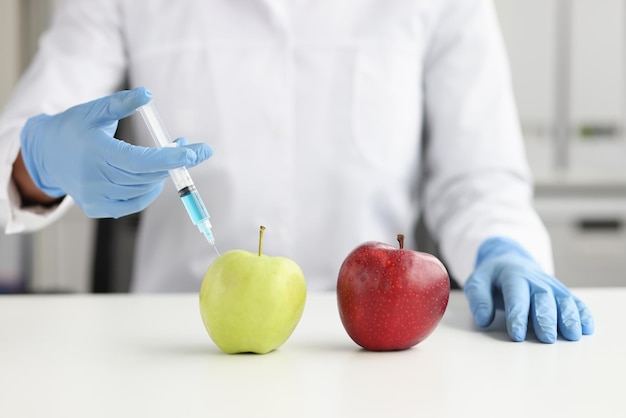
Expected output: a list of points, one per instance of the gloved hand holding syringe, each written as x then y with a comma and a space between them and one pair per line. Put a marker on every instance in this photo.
182, 180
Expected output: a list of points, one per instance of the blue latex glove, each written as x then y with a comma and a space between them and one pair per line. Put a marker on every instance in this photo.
74, 153
507, 277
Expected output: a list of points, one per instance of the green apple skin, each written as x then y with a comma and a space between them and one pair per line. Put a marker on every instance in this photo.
251, 303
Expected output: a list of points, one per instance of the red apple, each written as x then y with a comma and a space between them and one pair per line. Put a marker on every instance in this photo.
391, 298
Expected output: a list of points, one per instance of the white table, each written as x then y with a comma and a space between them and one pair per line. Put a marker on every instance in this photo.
149, 356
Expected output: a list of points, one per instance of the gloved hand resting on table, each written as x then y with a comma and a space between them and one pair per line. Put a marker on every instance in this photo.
74, 153
507, 277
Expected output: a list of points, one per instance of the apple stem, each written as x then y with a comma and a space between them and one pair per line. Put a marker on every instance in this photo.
261, 240
401, 240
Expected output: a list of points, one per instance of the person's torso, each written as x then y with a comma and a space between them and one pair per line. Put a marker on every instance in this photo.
314, 111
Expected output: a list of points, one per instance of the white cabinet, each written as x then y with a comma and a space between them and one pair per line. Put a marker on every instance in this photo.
568, 60
569, 74
597, 88
588, 232
531, 39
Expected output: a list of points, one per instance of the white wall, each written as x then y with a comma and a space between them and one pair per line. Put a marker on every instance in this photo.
58, 258
9, 47
12, 249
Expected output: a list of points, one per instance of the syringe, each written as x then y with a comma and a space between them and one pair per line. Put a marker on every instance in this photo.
182, 180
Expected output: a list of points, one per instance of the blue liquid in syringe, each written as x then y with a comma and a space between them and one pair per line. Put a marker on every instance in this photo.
198, 213
194, 205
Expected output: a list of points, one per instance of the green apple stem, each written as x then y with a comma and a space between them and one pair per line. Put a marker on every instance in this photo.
401, 240
261, 240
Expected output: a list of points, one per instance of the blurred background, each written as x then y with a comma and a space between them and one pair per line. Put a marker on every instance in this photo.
568, 64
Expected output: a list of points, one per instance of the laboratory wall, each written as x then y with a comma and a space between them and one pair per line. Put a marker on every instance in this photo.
568, 65
12, 249
59, 258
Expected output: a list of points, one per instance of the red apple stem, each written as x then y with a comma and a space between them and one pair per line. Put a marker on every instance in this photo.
262, 229
401, 240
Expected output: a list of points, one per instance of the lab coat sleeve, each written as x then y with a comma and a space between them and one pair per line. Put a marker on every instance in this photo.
81, 57
477, 180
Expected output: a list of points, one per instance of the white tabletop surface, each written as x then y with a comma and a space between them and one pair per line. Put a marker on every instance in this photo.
149, 356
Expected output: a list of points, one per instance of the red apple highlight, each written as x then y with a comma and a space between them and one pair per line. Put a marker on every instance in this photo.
391, 298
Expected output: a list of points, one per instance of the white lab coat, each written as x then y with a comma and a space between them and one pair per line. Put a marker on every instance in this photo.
333, 123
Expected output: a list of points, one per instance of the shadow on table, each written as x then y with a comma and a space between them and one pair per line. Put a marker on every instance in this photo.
460, 317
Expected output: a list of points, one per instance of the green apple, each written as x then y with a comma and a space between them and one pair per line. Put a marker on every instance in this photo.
251, 302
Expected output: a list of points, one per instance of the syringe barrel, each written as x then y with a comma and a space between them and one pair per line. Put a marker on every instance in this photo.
155, 125
194, 205
181, 178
